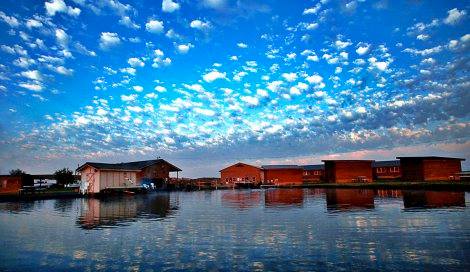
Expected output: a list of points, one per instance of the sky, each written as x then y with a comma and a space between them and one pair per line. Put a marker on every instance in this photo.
204, 84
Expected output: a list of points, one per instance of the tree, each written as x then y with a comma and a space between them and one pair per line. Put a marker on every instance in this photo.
17, 172
64, 176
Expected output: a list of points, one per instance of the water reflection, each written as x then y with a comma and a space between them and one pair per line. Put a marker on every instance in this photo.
433, 199
283, 198
118, 211
349, 199
241, 199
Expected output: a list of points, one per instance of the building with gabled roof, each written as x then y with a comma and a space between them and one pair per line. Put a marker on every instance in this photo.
96, 177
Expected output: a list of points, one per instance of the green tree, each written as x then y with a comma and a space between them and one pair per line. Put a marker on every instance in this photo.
64, 176
17, 172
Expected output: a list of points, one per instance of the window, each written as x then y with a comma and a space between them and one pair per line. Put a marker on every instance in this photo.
381, 170
395, 169
316, 173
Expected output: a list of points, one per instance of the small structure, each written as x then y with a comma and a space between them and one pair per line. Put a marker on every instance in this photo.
313, 173
430, 168
96, 177
348, 171
12, 184
241, 174
282, 174
386, 170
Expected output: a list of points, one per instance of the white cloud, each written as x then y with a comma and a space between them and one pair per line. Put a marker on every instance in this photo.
362, 50
313, 10
314, 79
274, 86
250, 100
32, 23
422, 37
135, 62
160, 89
128, 70
215, 4
168, 140
109, 39
198, 24
138, 88
59, 6
206, 112
214, 75
61, 37
10, 20
290, 77
128, 98
127, 21
242, 45
31, 86
169, 6
154, 26
294, 90
184, 48
311, 26
454, 16
63, 71
341, 45
262, 93
32, 74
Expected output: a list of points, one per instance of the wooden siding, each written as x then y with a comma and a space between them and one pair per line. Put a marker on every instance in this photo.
117, 179
347, 171
313, 175
240, 172
387, 172
283, 176
430, 169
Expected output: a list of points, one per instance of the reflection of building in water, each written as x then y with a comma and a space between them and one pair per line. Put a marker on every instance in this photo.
387, 193
283, 197
433, 199
114, 211
241, 199
345, 199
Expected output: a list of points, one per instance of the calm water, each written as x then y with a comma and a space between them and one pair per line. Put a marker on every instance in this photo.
246, 230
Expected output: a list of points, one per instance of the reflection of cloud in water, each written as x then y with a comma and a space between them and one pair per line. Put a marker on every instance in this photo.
119, 211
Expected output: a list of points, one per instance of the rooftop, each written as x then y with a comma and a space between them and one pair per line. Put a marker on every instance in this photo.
289, 166
128, 166
386, 163
314, 167
429, 158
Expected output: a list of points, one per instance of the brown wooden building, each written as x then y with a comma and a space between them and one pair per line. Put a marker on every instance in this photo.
431, 168
241, 173
313, 173
348, 171
12, 184
100, 176
282, 174
386, 170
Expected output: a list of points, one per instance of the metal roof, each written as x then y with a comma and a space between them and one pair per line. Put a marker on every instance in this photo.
239, 164
290, 166
386, 163
430, 158
314, 167
128, 166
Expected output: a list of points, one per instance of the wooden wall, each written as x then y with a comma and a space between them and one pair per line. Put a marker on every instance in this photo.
283, 176
240, 172
347, 171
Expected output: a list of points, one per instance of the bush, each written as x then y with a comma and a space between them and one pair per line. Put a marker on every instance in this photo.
17, 172
64, 176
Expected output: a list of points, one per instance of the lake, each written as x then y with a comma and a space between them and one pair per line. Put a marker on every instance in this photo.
240, 230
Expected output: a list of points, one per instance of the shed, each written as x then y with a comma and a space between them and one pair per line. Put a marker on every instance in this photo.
96, 177
282, 174
430, 168
241, 173
348, 171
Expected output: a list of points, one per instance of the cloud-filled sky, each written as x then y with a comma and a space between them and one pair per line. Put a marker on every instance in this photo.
207, 83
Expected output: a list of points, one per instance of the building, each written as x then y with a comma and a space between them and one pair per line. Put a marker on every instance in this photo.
12, 184
346, 199
282, 174
241, 174
313, 173
283, 198
348, 171
430, 168
386, 170
96, 177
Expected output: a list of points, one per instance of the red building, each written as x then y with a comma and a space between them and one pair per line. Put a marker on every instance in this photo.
313, 173
241, 173
348, 171
12, 184
430, 168
283, 198
386, 170
282, 174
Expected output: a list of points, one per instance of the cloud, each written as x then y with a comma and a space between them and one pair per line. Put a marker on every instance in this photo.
128, 98
31, 86
341, 45
32, 23
128, 70
108, 40
314, 79
362, 49
250, 100
200, 25
59, 6
184, 48
10, 20
154, 26
242, 45
127, 21
63, 71
454, 16
61, 37
215, 4
214, 75
138, 88
32, 74
83, 50
135, 62
206, 112
290, 77
169, 6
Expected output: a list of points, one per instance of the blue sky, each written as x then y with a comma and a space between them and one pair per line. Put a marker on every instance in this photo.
211, 82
